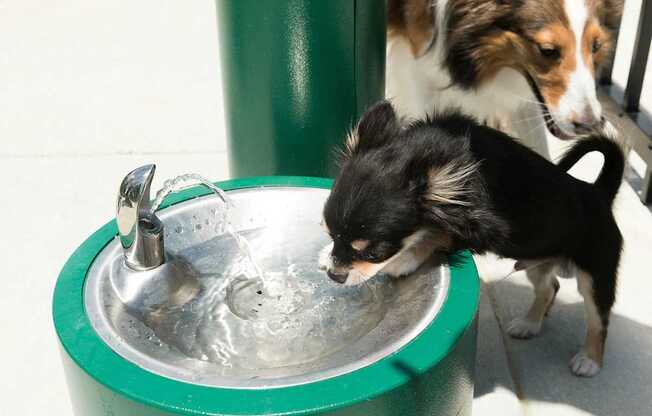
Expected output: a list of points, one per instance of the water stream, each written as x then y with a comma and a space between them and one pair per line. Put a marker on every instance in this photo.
191, 179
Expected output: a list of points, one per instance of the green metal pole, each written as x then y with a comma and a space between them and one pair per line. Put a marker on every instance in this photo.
296, 74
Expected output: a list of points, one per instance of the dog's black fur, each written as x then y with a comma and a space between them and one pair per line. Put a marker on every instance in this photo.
515, 203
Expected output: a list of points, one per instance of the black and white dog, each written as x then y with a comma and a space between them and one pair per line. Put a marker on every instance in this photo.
447, 183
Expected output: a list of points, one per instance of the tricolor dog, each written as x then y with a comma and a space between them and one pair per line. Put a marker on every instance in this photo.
520, 65
447, 183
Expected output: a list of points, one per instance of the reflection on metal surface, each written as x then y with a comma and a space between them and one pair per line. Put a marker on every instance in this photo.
141, 232
197, 318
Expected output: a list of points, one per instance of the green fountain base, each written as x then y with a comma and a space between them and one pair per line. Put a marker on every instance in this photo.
431, 375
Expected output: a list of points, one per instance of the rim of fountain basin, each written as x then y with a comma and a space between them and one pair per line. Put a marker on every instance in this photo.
101, 363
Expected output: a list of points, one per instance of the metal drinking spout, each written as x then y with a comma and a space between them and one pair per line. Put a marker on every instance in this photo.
140, 230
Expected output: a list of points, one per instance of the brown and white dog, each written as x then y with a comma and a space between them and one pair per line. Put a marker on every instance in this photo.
523, 65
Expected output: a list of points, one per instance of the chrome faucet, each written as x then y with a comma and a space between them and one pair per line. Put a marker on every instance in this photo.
140, 230
148, 280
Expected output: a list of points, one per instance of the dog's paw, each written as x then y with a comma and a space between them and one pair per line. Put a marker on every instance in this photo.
523, 328
583, 366
406, 263
325, 261
355, 278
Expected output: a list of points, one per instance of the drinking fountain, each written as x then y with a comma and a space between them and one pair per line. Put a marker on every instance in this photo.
210, 301
212, 339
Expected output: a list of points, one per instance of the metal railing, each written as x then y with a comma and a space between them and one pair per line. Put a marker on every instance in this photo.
628, 101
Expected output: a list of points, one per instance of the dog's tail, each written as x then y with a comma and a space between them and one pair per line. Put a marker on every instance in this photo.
611, 174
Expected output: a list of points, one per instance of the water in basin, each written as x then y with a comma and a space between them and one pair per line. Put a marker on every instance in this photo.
242, 324
290, 326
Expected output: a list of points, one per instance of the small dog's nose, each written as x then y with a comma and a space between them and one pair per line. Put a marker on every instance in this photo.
339, 278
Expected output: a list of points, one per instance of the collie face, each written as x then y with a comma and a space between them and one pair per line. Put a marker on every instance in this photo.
557, 45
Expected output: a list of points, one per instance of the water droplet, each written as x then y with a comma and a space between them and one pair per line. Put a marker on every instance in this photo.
178, 229
198, 227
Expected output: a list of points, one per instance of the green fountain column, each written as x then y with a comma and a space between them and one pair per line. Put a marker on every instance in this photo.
296, 74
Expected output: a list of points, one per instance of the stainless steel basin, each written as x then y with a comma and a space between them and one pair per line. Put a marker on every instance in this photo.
215, 325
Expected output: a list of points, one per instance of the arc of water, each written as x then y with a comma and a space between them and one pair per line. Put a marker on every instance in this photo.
192, 179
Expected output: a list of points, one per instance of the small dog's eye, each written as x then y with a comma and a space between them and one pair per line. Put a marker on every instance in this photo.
597, 45
550, 51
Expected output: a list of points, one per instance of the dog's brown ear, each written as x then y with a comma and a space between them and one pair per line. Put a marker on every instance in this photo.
414, 20
377, 126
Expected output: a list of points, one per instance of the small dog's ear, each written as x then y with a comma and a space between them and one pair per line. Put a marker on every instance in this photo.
377, 126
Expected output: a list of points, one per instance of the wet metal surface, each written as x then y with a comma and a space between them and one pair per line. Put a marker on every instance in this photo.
213, 323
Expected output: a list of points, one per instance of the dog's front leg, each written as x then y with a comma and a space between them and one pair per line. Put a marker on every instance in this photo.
410, 260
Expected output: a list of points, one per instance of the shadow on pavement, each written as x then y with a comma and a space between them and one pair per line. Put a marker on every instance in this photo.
539, 366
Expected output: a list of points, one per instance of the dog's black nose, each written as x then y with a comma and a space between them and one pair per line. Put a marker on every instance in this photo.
339, 278
587, 122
